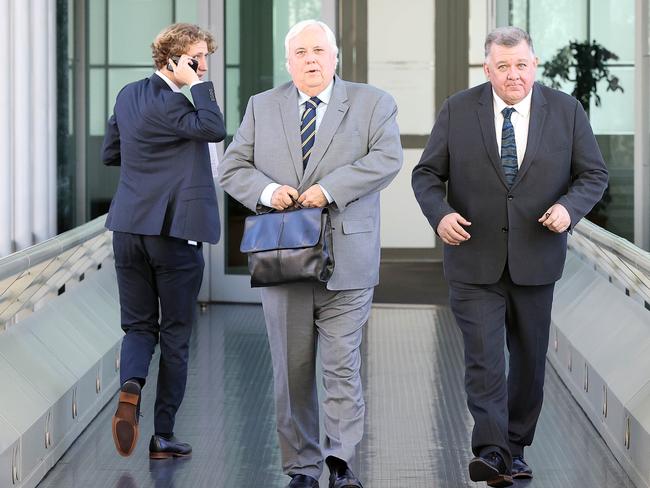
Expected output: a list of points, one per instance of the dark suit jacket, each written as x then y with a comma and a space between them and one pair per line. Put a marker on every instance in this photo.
562, 164
160, 140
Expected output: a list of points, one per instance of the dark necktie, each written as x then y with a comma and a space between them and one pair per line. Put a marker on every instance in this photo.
308, 128
508, 147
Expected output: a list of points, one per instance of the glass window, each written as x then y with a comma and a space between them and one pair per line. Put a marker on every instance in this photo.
616, 112
186, 11
612, 25
97, 102
132, 25
97, 31
553, 23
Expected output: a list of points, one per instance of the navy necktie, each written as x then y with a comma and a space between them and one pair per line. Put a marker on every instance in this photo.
308, 129
508, 147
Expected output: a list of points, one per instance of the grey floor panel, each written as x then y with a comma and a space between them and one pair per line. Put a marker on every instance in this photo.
417, 424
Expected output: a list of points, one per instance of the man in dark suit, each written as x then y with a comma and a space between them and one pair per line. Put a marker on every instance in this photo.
165, 206
522, 167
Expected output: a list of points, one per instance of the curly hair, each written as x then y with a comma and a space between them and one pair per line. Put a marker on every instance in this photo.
176, 39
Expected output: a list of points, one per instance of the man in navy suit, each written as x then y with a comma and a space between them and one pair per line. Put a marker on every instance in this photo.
520, 167
164, 208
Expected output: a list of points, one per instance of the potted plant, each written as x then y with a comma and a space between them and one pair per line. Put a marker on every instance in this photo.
584, 64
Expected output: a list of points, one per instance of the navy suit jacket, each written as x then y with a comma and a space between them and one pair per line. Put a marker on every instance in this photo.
562, 164
160, 141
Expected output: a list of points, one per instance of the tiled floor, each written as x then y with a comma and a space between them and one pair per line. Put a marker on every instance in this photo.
417, 427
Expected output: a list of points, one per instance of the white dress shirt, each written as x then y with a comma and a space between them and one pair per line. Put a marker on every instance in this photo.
324, 97
520, 119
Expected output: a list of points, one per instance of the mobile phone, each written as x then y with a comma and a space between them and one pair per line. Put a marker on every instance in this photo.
194, 64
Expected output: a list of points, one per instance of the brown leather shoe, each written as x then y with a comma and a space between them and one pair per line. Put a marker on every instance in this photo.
125, 421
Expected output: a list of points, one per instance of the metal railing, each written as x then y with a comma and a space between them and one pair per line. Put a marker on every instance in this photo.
623, 262
34, 275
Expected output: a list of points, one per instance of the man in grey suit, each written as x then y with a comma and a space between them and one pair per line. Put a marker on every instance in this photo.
521, 167
320, 141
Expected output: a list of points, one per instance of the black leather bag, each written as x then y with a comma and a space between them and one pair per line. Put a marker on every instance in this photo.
284, 247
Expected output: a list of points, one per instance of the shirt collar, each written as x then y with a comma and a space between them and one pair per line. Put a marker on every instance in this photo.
169, 82
323, 96
522, 107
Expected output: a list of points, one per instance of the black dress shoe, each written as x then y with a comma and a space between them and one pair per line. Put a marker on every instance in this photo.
490, 468
303, 481
341, 476
125, 421
163, 448
520, 469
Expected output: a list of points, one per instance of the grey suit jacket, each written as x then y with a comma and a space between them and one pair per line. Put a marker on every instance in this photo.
356, 154
562, 164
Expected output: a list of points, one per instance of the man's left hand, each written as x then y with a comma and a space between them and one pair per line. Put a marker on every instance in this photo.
556, 219
313, 197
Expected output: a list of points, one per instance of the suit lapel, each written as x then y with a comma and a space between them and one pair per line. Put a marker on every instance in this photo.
336, 110
537, 118
291, 126
485, 113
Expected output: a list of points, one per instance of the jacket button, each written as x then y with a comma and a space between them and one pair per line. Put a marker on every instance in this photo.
504, 229
510, 197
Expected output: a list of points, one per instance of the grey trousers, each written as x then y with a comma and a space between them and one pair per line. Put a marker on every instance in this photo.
301, 318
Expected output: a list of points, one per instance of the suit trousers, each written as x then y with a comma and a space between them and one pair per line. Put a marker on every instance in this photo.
505, 409
302, 318
158, 279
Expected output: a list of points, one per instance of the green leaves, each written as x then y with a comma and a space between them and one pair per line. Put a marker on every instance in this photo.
584, 64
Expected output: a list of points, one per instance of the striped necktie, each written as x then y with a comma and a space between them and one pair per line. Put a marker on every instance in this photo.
308, 129
508, 147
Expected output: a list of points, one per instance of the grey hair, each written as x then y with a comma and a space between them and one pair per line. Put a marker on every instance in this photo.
509, 36
301, 26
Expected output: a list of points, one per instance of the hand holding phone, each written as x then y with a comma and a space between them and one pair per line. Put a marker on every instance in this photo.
194, 64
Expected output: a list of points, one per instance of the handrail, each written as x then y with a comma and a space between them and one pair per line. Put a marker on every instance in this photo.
619, 258
22, 260
40, 272
616, 244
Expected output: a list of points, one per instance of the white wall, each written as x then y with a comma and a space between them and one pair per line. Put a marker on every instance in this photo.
401, 61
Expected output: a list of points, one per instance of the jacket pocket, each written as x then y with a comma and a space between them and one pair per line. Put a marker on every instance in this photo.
358, 226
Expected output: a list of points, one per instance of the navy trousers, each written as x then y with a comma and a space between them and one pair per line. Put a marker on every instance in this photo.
505, 408
158, 279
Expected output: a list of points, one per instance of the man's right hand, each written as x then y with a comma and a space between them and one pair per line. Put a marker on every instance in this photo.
451, 231
184, 74
283, 197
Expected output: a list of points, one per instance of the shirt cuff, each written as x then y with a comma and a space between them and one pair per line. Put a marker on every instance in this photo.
196, 83
327, 195
267, 193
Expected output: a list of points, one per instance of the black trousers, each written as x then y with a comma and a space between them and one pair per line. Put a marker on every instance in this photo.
505, 409
158, 279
